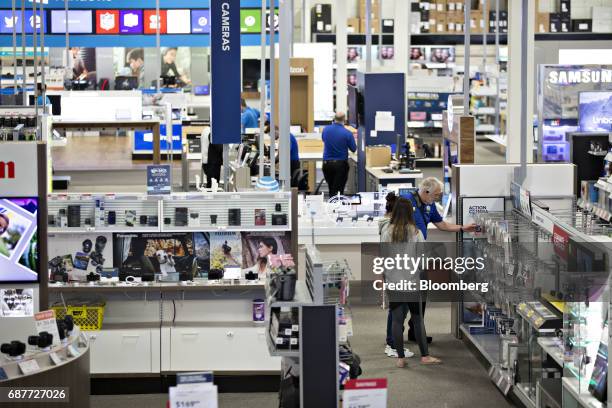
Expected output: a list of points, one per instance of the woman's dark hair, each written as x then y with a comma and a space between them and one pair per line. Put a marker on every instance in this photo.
270, 243
135, 54
391, 200
402, 220
5, 219
167, 50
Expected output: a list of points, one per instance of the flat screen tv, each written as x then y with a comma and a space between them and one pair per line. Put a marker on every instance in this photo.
595, 111
19, 256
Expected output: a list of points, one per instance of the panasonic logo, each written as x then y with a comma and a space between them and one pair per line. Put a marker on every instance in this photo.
584, 76
7, 170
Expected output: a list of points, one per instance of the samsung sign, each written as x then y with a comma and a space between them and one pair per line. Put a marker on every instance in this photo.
225, 71
583, 76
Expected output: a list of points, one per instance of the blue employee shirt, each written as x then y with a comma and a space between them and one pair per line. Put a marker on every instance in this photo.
338, 141
255, 112
424, 214
248, 120
294, 150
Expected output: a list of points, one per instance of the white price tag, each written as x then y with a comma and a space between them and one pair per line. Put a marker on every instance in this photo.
202, 395
366, 393
57, 360
29, 366
72, 351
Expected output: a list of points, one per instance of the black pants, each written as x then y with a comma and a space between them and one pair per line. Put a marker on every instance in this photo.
336, 175
399, 311
411, 323
212, 171
295, 166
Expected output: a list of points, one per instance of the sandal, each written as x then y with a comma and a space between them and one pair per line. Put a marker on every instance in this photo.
400, 363
431, 361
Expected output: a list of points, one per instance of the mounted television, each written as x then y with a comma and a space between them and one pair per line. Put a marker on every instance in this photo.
19, 256
8, 23
595, 111
251, 74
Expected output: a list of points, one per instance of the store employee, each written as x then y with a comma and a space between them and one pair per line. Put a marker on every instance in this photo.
337, 142
248, 119
425, 211
294, 152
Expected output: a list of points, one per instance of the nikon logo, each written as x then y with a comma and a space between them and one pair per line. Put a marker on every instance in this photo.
297, 70
7, 170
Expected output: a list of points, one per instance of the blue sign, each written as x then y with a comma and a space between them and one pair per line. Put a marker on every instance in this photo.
195, 377
200, 21
8, 23
225, 71
159, 179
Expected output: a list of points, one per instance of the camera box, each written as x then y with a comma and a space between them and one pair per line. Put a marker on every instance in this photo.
352, 26
374, 28
542, 23
388, 26
566, 24
378, 156
554, 22
565, 7
582, 25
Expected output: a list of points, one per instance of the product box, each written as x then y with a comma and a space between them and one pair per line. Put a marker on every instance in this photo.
374, 11
582, 25
425, 15
546, 6
554, 23
542, 23
477, 22
353, 26
378, 156
441, 23
440, 6
565, 7
321, 18
433, 22
566, 24
310, 145
388, 26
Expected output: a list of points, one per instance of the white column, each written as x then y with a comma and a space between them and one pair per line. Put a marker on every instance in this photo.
401, 36
521, 81
284, 91
339, 10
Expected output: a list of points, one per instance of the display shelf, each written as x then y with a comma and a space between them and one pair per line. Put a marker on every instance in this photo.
486, 344
302, 297
274, 352
584, 398
155, 287
551, 347
485, 128
499, 139
520, 390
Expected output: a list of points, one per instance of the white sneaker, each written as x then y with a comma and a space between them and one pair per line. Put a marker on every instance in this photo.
390, 352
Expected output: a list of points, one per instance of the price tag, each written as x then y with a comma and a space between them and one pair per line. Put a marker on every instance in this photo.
29, 366
530, 313
365, 393
194, 396
57, 360
235, 197
72, 351
45, 321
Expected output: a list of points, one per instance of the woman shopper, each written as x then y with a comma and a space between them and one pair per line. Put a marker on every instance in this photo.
402, 232
391, 198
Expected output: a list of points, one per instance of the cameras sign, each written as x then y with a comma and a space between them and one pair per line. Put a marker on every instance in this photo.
159, 179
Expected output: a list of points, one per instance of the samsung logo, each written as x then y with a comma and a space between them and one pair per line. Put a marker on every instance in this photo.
7, 170
225, 26
584, 76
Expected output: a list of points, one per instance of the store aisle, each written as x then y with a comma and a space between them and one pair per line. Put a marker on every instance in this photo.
461, 381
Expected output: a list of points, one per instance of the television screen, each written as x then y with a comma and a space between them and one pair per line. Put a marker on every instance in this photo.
179, 21
19, 240
7, 23
130, 22
107, 21
150, 22
595, 111
442, 54
79, 21
200, 21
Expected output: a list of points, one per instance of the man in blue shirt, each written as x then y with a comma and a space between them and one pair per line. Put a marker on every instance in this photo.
337, 142
248, 119
425, 212
254, 112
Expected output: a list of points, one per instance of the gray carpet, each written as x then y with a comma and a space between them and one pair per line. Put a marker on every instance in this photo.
461, 381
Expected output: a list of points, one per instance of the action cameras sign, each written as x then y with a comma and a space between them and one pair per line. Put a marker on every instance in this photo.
225, 71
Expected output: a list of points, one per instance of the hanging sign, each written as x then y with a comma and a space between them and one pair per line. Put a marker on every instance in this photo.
225, 71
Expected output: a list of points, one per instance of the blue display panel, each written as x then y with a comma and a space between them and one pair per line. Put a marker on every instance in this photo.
143, 140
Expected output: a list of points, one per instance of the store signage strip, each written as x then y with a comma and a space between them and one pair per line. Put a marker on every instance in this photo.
225, 71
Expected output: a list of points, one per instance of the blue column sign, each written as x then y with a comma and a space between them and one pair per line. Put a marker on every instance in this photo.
159, 179
225, 71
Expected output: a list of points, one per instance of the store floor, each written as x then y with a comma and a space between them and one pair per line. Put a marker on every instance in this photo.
461, 381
